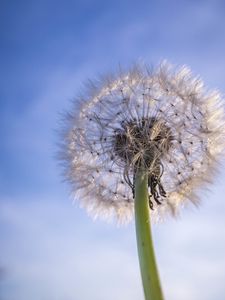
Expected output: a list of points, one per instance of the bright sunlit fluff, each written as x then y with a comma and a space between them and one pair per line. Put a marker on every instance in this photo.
163, 119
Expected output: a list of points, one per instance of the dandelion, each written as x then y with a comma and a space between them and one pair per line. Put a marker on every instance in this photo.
144, 142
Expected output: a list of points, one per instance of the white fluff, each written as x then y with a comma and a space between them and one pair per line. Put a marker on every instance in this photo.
174, 97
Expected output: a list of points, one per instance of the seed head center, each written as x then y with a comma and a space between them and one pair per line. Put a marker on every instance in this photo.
142, 141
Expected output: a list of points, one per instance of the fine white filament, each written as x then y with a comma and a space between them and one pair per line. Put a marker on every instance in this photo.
189, 155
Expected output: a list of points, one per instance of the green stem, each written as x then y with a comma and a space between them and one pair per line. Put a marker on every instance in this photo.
149, 273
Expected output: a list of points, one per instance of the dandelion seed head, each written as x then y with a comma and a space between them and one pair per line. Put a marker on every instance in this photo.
164, 120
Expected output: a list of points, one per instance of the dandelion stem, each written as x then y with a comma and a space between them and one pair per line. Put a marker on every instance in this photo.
149, 273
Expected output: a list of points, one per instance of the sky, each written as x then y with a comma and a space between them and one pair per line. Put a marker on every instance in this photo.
49, 247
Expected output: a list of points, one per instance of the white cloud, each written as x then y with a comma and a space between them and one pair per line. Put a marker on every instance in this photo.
51, 250
48, 262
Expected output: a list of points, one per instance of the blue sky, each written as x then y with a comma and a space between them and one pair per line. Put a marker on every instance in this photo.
49, 248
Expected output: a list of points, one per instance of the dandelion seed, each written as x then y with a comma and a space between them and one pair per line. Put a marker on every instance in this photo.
164, 120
